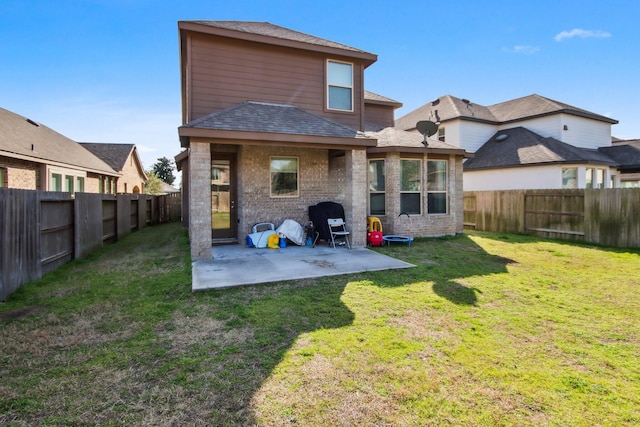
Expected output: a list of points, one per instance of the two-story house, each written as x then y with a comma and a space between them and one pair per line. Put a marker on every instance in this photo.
525, 143
275, 121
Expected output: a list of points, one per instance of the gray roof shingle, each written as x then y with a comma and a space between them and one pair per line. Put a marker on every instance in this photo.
115, 155
523, 147
24, 138
251, 116
626, 155
403, 140
376, 98
270, 30
449, 107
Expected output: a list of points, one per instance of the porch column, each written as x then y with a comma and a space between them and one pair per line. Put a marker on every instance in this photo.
200, 200
356, 195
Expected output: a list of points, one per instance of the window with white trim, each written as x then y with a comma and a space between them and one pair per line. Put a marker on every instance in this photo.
377, 199
437, 178
599, 182
594, 178
441, 134
284, 177
569, 177
68, 183
339, 86
410, 186
56, 182
80, 184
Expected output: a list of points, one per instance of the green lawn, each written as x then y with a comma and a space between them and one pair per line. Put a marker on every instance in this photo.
488, 330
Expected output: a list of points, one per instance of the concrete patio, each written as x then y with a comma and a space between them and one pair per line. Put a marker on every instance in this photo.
237, 265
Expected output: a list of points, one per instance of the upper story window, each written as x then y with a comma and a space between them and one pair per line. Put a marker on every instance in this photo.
441, 136
339, 86
3, 177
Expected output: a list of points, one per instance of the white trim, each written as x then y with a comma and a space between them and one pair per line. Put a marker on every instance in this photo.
327, 85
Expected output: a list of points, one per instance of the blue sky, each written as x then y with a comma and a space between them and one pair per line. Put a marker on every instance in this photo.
107, 70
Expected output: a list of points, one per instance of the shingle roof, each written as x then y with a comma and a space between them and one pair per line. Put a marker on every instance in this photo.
251, 116
270, 30
449, 107
626, 155
115, 155
523, 147
376, 98
536, 105
24, 138
401, 140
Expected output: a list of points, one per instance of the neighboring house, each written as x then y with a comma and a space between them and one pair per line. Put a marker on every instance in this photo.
627, 154
123, 158
276, 121
35, 157
525, 143
168, 188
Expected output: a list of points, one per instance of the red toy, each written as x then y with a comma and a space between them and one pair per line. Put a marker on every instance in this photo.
374, 238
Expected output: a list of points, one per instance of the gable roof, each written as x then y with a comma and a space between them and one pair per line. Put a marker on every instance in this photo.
448, 107
522, 147
394, 139
262, 119
535, 106
26, 139
265, 32
115, 155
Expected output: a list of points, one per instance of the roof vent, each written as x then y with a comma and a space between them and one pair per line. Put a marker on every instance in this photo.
466, 101
501, 137
436, 102
33, 123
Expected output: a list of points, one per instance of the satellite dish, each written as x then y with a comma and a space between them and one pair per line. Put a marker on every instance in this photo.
427, 127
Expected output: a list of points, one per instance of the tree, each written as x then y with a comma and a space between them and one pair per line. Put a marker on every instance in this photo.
164, 170
153, 184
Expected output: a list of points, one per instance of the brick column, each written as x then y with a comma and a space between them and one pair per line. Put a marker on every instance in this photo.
200, 200
356, 196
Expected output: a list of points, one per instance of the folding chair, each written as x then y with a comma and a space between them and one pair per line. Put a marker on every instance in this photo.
337, 228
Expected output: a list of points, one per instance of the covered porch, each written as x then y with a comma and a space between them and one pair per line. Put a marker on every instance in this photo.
245, 146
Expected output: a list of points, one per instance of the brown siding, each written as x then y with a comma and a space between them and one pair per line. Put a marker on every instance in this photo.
225, 72
380, 115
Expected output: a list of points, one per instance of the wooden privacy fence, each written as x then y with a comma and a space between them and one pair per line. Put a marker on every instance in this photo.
40, 231
609, 216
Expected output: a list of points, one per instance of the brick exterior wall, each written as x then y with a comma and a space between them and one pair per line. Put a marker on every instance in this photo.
321, 178
200, 200
21, 174
356, 195
423, 225
131, 178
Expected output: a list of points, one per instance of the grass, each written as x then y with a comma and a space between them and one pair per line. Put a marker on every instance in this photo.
488, 329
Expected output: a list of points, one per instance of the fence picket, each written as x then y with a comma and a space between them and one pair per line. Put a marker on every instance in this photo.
41, 231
